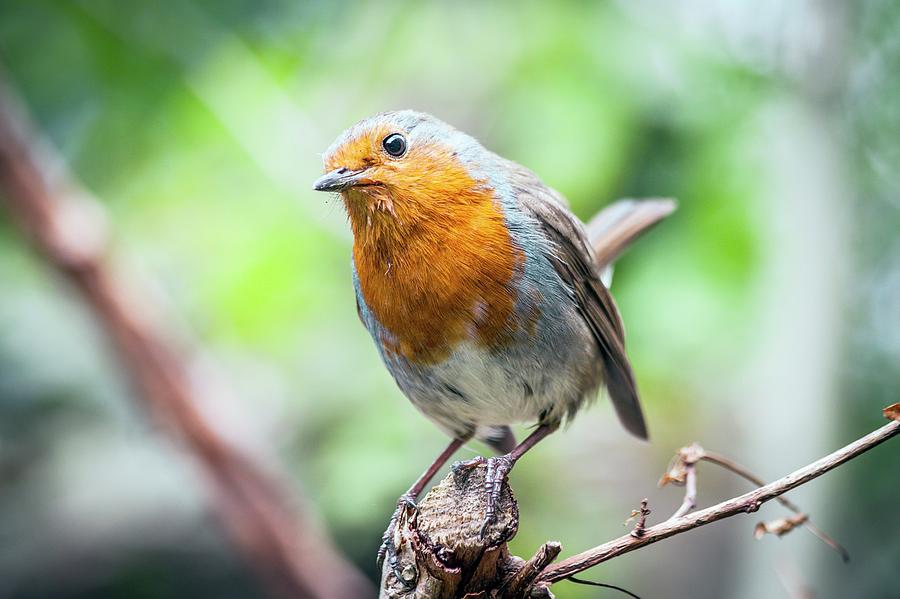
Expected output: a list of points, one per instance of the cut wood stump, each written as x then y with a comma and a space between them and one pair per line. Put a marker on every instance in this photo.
441, 552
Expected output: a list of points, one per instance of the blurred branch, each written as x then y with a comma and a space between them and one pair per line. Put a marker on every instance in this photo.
442, 555
275, 536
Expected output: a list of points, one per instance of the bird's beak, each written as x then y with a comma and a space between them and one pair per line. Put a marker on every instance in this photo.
340, 179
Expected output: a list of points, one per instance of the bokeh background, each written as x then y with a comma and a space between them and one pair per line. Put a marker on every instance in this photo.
763, 317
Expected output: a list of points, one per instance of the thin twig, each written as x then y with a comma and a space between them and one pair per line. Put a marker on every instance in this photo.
682, 471
743, 472
690, 491
604, 585
746, 503
641, 514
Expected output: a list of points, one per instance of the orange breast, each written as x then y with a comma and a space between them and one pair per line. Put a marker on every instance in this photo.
438, 267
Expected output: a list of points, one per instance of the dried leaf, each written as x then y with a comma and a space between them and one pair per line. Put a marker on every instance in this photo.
677, 471
779, 527
676, 477
634, 514
892, 412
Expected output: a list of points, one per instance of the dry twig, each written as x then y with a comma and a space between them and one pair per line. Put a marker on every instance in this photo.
641, 514
746, 503
682, 471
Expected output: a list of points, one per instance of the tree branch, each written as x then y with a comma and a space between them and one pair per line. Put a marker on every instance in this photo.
746, 503
682, 470
275, 536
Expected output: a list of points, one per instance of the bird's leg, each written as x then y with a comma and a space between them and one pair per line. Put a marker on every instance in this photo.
408, 500
499, 467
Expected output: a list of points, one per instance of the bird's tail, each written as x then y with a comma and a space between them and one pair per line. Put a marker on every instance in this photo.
610, 233
615, 227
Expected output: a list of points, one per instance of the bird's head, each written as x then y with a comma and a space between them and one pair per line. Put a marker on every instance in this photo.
404, 169
432, 252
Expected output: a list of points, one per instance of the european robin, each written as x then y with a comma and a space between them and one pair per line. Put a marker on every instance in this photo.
479, 288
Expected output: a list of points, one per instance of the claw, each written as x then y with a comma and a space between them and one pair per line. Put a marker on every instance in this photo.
497, 470
388, 548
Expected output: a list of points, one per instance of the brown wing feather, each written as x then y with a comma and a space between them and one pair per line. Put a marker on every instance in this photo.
574, 263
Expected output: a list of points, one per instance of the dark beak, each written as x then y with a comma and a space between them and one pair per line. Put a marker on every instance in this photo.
339, 180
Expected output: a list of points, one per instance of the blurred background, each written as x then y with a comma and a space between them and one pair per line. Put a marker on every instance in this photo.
763, 317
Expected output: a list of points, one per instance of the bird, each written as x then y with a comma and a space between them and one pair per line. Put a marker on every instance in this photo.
480, 290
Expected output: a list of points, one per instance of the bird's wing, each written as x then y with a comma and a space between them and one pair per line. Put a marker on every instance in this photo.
574, 262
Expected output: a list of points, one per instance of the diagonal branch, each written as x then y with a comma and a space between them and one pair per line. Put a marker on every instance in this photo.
800, 517
253, 503
682, 470
746, 503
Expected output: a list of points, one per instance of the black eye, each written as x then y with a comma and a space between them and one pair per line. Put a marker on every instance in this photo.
394, 144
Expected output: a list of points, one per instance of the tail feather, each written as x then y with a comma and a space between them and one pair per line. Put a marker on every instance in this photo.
620, 385
610, 233
615, 227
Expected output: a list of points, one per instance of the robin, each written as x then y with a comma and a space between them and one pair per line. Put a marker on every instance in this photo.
479, 288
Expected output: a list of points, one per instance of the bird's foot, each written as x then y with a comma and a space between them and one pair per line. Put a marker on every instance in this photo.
388, 547
496, 470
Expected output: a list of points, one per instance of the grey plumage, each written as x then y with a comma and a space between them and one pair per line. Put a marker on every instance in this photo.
574, 262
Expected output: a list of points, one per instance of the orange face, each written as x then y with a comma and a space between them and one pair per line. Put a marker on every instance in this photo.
434, 258
383, 165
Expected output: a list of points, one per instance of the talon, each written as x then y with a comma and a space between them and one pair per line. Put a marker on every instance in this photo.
497, 470
407, 501
388, 549
484, 526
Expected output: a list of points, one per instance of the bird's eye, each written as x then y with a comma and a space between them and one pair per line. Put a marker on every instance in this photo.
394, 144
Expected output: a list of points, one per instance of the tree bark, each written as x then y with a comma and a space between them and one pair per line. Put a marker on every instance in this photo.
441, 553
